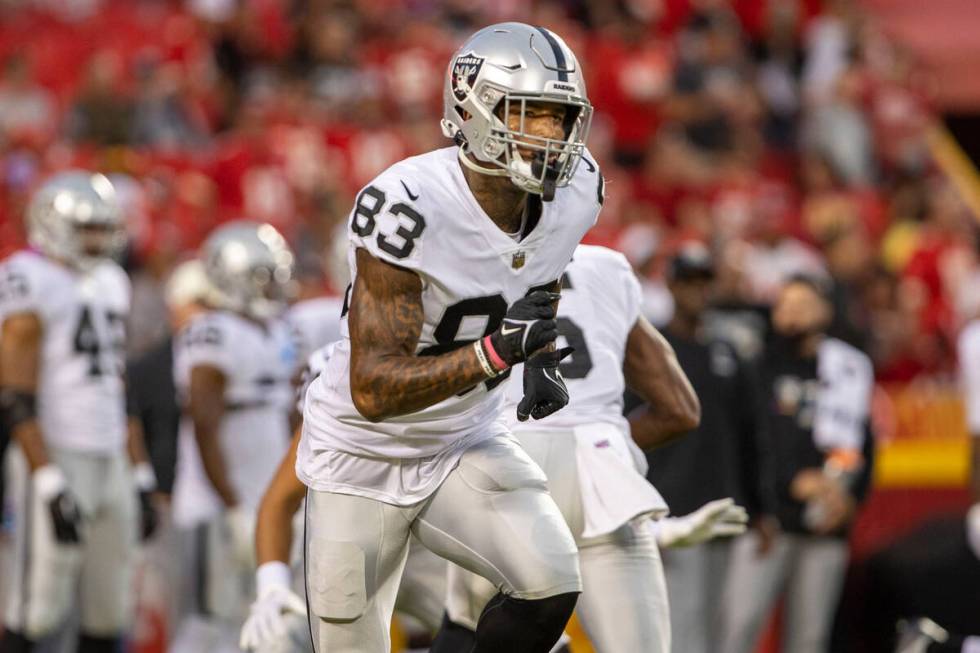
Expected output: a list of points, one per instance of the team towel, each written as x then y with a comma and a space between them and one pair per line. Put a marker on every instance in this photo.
613, 490
846, 378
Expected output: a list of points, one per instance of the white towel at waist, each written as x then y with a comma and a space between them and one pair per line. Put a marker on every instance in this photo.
613, 490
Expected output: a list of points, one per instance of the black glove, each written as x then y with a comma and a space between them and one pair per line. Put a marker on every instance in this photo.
148, 516
544, 389
528, 326
66, 517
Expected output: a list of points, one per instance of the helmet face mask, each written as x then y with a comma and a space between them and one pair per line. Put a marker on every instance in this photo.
549, 163
75, 217
497, 74
249, 268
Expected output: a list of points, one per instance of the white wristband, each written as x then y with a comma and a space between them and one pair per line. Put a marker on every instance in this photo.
481, 356
146, 480
272, 574
49, 481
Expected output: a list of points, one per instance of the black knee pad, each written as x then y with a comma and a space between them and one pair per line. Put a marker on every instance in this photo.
93, 644
523, 626
453, 638
13, 642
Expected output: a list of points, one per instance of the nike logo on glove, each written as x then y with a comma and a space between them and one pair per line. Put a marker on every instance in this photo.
504, 331
410, 194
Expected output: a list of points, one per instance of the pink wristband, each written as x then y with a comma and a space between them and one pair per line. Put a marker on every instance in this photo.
494, 357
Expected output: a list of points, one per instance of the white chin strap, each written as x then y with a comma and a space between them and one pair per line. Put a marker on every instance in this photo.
501, 172
475, 167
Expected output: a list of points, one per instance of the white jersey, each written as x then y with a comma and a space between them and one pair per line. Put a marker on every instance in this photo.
81, 399
315, 323
421, 215
601, 300
316, 364
258, 363
968, 347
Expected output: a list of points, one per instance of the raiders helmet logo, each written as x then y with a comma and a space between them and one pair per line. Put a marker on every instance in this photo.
465, 70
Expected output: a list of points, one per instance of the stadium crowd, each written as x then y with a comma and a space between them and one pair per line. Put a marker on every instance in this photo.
787, 135
786, 140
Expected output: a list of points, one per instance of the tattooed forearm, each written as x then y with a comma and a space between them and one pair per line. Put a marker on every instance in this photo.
387, 378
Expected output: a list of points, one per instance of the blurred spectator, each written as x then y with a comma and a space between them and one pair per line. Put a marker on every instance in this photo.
162, 118
772, 254
281, 110
26, 109
714, 461
102, 114
838, 129
815, 467
779, 62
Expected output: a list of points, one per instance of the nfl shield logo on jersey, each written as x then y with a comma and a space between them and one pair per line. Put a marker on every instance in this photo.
465, 70
517, 261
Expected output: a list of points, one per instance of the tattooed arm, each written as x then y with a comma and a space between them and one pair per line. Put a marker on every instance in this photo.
652, 371
386, 377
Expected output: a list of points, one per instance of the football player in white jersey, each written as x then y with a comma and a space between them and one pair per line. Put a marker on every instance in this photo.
596, 472
64, 306
452, 256
233, 366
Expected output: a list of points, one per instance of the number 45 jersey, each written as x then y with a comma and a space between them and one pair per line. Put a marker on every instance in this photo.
81, 393
420, 215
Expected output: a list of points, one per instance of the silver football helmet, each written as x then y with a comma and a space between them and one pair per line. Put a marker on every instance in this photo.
249, 267
512, 64
76, 217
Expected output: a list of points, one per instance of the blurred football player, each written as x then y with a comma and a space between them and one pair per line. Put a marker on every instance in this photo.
595, 469
315, 317
233, 366
64, 305
455, 257
277, 621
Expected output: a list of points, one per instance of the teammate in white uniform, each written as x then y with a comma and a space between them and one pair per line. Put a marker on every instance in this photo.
403, 434
64, 307
596, 472
233, 367
315, 323
274, 623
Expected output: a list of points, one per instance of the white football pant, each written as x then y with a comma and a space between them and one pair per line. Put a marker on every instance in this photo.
623, 607
492, 515
46, 577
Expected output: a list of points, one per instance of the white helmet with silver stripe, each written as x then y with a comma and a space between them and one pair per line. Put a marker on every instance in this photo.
511, 64
76, 217
249, 268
